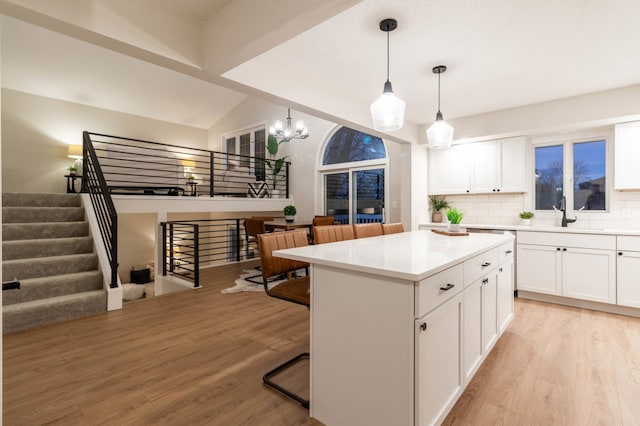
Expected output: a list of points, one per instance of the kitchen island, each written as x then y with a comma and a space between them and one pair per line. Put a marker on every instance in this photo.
401, 322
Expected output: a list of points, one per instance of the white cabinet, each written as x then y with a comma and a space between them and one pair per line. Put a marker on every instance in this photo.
478, 168
539, 269
472, 346
505, 294
579, 266
449, 170
627, 152
438, 368
489, 312
589, 274
628, 269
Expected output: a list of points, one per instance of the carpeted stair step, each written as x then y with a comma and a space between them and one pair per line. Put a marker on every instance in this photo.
31, 231
10, 199
27, 249
24, 269
28, 315
42, 214
60, 285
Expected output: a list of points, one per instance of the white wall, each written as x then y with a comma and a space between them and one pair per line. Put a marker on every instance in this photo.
37, 130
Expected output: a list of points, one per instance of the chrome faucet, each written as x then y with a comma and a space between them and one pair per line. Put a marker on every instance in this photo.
563, 209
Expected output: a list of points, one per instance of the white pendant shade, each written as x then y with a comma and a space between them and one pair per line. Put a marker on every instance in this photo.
440, 135
387, 112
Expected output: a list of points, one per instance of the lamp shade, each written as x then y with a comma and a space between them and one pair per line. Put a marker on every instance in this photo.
387, 112
75, 151
440, 135
188, 163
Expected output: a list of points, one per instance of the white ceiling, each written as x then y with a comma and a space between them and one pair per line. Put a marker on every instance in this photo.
500, 54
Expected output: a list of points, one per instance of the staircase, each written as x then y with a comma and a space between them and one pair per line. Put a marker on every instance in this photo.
46, 246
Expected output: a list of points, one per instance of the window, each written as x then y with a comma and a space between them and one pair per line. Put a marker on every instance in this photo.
354, 176
580, 166
241, 145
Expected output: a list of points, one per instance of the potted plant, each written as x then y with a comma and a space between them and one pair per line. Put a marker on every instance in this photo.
437, 204
290, 213
526, 217
455, 217
72, 170
274, 164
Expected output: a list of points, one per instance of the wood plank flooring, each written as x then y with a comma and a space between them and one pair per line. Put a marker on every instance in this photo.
197, 358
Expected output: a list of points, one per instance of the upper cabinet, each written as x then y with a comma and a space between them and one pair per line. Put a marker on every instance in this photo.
478, 168
627, 152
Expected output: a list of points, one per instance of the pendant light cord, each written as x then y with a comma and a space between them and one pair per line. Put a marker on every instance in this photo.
387, 55
439, 92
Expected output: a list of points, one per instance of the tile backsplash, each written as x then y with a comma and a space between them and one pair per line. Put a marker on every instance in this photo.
503, 209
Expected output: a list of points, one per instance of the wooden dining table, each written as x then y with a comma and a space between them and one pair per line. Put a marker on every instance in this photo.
283, 225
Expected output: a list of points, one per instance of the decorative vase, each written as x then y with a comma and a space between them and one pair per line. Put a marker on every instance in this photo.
289, 218
454, 227
436, 217
526, 222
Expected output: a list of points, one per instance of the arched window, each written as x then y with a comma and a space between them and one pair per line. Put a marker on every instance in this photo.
354, 193
347, 145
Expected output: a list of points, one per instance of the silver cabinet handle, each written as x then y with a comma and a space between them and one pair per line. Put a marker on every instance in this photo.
447, 287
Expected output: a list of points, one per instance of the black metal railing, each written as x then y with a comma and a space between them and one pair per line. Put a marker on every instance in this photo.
189, 245
94, 184
135, 166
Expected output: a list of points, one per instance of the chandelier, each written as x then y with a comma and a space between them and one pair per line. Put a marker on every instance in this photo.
285, 132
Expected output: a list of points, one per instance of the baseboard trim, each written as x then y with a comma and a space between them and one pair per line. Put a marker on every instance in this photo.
577, 303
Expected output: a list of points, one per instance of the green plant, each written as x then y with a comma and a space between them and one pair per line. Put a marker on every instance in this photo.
454, 215
290, 210
526, 215
273, 163
438, 203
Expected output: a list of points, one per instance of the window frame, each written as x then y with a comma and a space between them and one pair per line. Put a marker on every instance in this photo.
237, 134
567, 142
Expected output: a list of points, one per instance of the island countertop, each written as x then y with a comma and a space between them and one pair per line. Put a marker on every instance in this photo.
407, 255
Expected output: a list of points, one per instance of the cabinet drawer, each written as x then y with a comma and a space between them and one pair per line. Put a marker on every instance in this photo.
506, 252
438, 288
478, 266
628, 243
562, 239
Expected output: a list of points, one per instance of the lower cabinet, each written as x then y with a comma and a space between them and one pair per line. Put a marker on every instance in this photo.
438, 350
628, 269
472, 344
505, 295
539, 269
489, 312
589, 274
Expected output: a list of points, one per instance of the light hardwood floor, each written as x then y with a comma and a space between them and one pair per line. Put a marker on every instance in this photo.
197, 358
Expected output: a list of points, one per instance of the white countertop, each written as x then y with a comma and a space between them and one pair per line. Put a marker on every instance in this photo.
408, 255
534, 228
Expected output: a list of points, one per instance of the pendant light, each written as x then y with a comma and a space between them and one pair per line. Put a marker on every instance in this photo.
440, 134
387, 111
285, 133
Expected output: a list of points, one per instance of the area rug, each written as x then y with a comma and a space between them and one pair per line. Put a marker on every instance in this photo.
244, 285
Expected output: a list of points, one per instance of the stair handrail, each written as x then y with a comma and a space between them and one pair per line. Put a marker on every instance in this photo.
94, 183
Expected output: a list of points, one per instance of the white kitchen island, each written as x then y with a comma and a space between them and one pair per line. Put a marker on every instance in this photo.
401, 322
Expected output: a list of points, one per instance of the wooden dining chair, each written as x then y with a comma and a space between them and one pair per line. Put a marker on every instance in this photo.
364, 230
294, 290
332, 233
392, 228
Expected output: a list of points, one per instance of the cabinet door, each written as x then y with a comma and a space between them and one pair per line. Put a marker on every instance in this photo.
628, 282
472, 330
505, 295
485, 167
539, 268
589, 274
511, 176
449, 170
438, 361
627, 152
489, 312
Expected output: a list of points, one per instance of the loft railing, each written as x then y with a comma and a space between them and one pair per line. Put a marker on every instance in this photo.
189, 245
135, 166
94, 184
